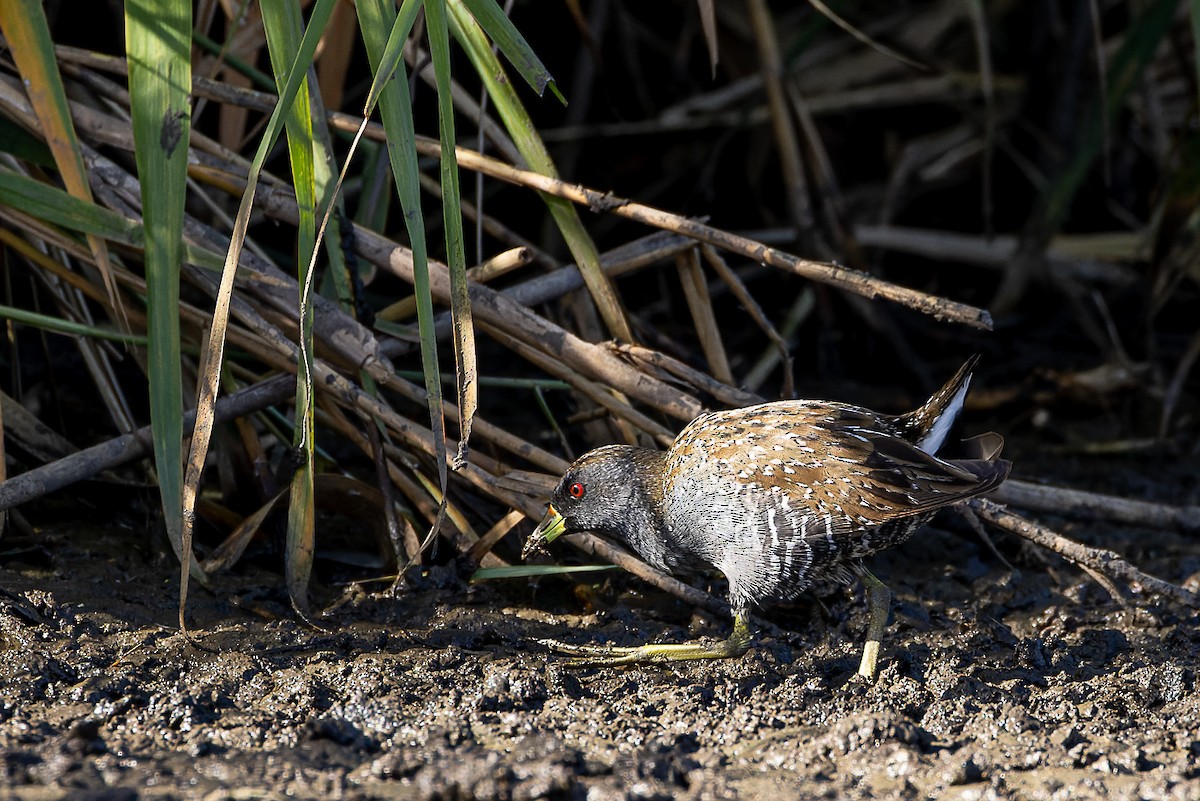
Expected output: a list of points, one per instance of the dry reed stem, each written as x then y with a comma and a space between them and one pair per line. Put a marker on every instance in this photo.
787, 143
89, 462
1094, 506
491, 226
500, 264
482, 549
597, 393
495, 309
704, 319
1101, 561
747, 301
834, 275
494, 434
621, 260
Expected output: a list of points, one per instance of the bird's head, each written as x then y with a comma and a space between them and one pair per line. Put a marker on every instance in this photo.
598, 493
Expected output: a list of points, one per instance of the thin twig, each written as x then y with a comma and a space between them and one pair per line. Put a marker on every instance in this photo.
1094, 559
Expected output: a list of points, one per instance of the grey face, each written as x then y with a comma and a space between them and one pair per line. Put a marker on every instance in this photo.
597, 490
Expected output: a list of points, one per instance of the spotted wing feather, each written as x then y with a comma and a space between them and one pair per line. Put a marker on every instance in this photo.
809, 480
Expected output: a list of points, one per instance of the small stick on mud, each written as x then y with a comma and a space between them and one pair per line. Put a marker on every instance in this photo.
1098, 560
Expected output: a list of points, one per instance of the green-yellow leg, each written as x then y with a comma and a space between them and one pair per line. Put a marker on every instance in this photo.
879, 603
612, 655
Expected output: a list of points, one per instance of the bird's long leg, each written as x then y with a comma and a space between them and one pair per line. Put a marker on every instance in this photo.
610, 655
879, 603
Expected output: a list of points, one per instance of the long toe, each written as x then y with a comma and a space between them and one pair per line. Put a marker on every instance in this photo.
588, 650
611, 655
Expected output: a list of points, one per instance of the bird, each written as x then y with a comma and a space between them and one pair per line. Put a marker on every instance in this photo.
775, 496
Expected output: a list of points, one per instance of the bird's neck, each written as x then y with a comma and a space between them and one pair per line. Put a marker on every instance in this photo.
649, 473
643, 527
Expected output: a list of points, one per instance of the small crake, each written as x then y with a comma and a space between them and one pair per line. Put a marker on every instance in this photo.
775, 496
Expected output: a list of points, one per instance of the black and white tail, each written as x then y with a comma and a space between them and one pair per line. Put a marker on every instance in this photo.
928, 426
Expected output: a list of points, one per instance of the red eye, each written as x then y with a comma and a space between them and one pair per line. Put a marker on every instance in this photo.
576, 490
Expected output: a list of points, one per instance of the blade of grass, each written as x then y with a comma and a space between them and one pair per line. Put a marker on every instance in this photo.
535, 571
283, 26
460, 302
24, 146
260, 78
55, 206
862, 37
395, 105
708, 23
157, 43
1128, 65
210, 371
512, 44
521, 128
27, 35
228, 552
1194, 13
60, 326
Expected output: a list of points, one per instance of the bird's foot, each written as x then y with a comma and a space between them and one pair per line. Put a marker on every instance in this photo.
613, 656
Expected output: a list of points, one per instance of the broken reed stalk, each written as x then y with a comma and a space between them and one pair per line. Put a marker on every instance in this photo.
1094, 506
1104, 562
89, 462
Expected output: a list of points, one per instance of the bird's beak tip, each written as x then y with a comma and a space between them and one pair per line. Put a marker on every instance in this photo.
553, 526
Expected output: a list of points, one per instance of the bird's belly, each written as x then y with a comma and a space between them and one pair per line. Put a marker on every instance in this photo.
767, 555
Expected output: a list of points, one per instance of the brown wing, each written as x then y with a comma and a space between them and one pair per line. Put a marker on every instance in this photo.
833, 461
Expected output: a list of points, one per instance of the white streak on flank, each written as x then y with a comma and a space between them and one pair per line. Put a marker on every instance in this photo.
931, 443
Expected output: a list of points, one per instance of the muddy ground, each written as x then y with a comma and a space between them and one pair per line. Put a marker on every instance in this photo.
993, 685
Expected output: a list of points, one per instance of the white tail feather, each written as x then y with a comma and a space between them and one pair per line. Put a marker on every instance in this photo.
932, 442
